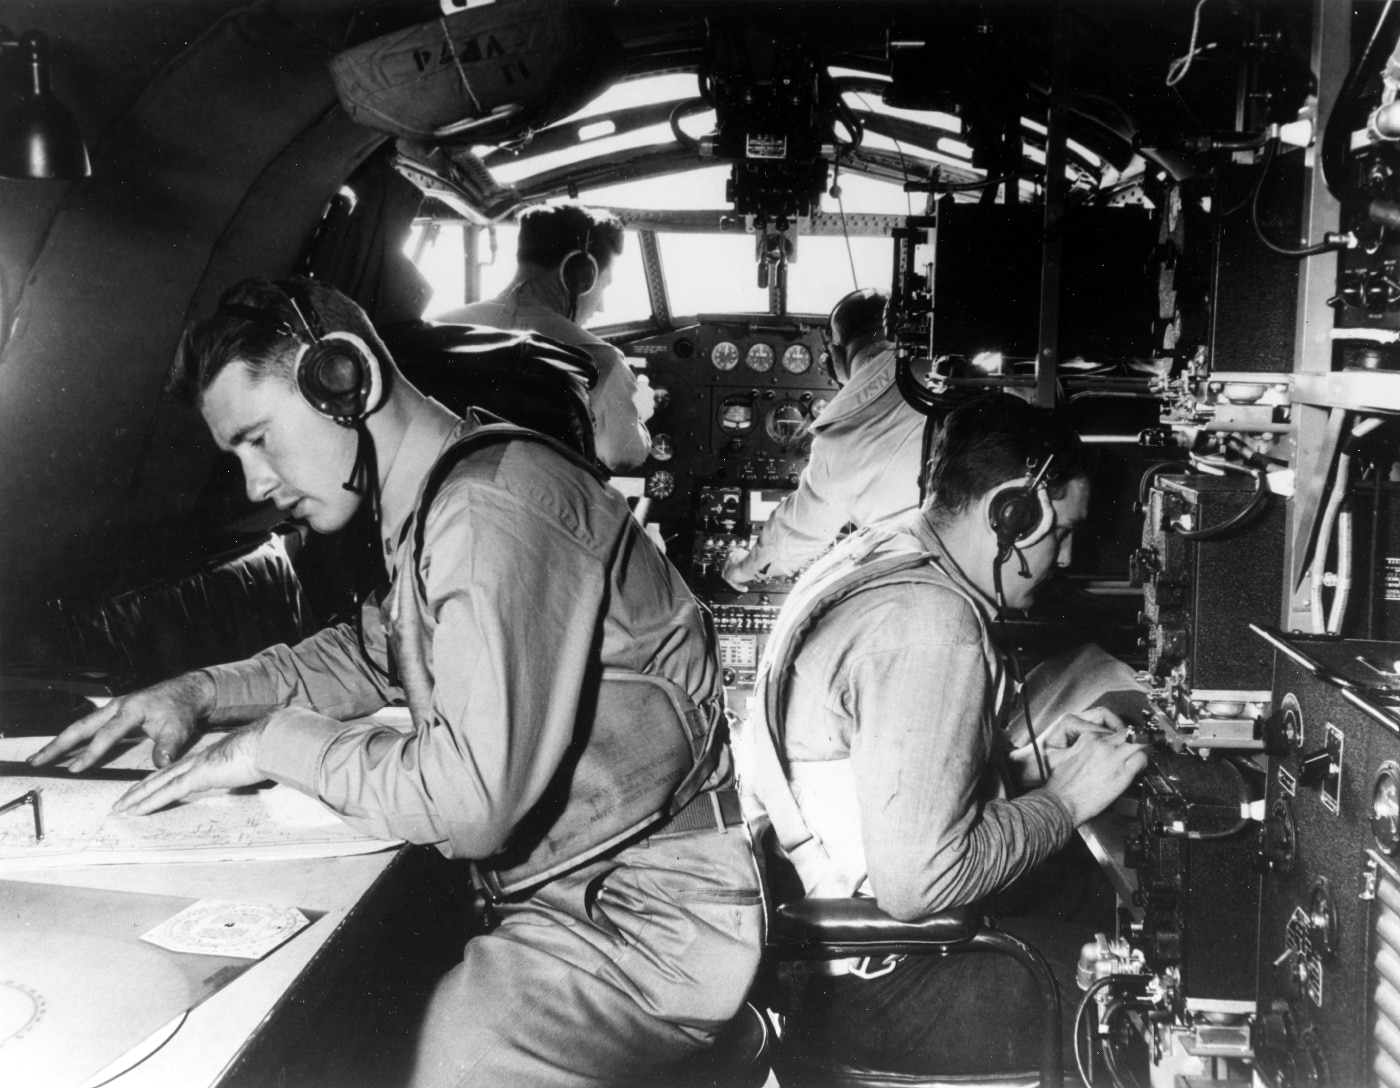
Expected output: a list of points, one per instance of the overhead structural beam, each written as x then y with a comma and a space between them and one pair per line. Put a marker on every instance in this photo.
1056, 190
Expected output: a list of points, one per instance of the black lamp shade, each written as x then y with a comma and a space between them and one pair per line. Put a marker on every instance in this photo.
38, 137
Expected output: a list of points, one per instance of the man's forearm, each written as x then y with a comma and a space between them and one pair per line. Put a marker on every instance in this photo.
326, 673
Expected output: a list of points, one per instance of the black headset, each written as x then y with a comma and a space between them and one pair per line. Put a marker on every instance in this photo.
1021, 512
337, 373
579, 272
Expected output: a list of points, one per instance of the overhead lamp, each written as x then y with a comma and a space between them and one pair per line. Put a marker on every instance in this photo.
38, 136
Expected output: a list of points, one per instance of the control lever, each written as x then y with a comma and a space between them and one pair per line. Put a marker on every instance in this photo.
1316, 767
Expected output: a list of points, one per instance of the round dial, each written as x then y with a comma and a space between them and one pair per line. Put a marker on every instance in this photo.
786, 422
760, 358
737, 415
818, 406
1322, 918
662, 448
660, 485
724, 355
1385, 808
797, 359
662, 395
1292, 720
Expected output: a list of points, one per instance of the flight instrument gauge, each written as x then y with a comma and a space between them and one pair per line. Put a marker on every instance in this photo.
1385, 808
786, 422
818, 406
661, 485
662, 448
724, 355
797, 359
737, 414
760, 358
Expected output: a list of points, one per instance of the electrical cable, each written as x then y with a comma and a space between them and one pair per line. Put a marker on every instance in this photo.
1149, 474
899, 149
845, 230
1327, 245
1015, 662
1201, 461
1211, 836
1256, 503
685, 109
1109, 1052
1317, 569
1176, 71
1094, 988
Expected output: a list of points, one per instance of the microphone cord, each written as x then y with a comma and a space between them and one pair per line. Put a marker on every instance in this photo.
1014, 661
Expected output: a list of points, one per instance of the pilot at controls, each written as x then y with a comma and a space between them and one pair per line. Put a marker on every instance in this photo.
866, 447
564, 266
526, 608
890, 757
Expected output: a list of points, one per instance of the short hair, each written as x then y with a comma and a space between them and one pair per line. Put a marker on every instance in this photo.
993, 439
259, 323
550, 232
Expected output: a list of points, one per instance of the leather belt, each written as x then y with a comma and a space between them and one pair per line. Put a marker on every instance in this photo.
712, 810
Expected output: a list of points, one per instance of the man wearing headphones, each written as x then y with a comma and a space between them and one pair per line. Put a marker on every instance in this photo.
866, 446
890, 758
564, 257
567, 714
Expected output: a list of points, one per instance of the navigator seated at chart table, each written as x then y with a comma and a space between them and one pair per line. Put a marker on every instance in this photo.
526, 608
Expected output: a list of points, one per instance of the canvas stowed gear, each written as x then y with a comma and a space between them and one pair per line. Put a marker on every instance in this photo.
642, 749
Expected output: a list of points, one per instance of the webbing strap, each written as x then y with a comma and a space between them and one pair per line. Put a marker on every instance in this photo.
820, 873
491, 434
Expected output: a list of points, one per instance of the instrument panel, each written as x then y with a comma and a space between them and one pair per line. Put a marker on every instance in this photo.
736, 396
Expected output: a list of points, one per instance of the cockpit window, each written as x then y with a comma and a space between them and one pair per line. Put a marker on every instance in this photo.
440, 250
631, 150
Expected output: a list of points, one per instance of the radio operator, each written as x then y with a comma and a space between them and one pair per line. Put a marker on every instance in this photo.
564, 259
526, 609
890, 756
866, 451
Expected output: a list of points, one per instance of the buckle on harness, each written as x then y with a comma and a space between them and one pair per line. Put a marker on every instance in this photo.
862, 968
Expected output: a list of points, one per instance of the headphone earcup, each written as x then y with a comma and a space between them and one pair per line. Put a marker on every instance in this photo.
1017, 514
836, 364
340, 377
579, 271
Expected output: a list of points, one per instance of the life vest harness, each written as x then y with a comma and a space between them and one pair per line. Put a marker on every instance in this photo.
853, 567
642, 748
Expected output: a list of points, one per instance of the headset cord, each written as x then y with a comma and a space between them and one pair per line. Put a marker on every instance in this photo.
1003, 554
364, 474
364, 481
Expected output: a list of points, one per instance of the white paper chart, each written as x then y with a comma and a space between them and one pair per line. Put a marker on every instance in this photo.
81, 829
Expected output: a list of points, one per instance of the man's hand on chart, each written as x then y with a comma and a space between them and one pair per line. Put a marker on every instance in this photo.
167, 712
228, 763
1098, 762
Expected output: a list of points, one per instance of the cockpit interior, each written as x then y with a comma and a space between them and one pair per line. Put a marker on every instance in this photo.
1176, 223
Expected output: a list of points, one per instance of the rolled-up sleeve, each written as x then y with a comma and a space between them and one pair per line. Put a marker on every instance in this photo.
934, 835
513, 600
